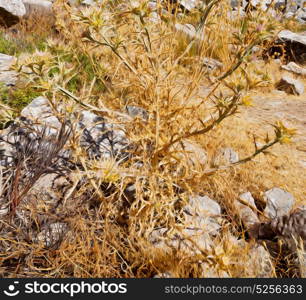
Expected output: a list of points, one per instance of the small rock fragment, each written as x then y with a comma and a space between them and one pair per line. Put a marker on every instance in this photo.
247, 215
226, 156
52, 235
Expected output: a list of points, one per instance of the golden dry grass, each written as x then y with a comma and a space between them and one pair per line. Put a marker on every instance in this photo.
110, 58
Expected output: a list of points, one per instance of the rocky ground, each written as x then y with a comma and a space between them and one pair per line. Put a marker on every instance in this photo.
40, 169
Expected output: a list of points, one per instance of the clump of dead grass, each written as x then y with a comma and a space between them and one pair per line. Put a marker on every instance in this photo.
106, 59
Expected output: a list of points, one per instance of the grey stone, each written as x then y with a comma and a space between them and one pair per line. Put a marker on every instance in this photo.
99, 136
202, 213
190, 242
293, 67
40, 113
7, 77
202, 206
136, 111
193, 153
102, 138
212, 64
278, 202
207, 224
290, 85
226, 156
11, 11
287, 35
42, 7
52, 235
247, 215
260, 261
199, 225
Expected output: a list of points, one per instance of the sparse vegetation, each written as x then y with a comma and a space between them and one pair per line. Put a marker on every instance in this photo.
108, 57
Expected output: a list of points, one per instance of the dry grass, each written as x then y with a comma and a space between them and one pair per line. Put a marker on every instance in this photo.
107, 59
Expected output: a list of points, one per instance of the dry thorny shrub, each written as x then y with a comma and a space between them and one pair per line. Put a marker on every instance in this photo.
105, 59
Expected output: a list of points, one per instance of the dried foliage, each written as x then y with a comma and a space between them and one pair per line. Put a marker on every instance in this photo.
105, 59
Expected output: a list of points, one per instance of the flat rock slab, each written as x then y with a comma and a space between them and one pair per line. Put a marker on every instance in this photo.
7, 77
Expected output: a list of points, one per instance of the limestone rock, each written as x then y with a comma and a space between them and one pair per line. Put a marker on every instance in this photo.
40, 112
42, 7
52, 234
11, 11
290, 85
187, 241
136, 111
278, 203
188, 4
225, 156
193, 153
7, 77
102, 138
247, 215
200, 225
202, 206
293, 67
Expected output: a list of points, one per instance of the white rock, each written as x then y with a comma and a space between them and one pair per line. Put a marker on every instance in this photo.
293, 67
202, 213
259, 262
202, 206
226, 156
247, 215
11, 11
287, 35
7, 76
188, 241
278, 203
290, 85
193, 153
39, 111
38, 6
101, 137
